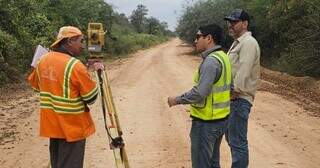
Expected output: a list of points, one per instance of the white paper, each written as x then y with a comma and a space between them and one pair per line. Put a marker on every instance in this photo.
40, 51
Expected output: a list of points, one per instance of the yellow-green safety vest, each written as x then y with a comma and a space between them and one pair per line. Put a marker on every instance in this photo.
217, 104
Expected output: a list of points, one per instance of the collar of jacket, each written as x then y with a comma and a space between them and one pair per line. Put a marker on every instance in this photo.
243, 36
204, 54
62, 50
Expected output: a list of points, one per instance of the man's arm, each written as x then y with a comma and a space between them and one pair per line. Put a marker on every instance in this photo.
87, 86
247, 58
210, 72
34, 80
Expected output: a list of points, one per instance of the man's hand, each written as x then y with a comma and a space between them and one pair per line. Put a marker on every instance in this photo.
234, 95
172, 101
98, 66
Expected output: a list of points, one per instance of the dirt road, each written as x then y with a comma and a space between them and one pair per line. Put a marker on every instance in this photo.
281, 133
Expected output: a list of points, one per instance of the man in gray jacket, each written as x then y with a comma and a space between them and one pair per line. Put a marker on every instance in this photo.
245, 59
209, 98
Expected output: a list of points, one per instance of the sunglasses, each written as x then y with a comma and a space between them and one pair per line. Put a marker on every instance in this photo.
200, 35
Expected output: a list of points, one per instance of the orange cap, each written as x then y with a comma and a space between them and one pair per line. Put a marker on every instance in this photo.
66, 32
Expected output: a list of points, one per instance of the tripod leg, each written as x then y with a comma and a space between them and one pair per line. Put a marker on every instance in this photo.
120, 155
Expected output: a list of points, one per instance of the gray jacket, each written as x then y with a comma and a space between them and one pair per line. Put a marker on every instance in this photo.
210, 72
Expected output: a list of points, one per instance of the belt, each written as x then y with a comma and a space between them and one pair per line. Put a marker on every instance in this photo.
216, 120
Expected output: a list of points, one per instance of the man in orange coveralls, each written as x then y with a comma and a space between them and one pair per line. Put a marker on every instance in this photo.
66, 89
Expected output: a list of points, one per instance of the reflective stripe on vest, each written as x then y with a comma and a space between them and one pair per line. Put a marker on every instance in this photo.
91, 94
66, 78
60, 104
217, 104
64, 104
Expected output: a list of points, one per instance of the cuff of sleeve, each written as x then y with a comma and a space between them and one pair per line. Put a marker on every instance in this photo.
179, 100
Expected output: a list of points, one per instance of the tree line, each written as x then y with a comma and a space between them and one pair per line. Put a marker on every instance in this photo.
288, 31
26, 23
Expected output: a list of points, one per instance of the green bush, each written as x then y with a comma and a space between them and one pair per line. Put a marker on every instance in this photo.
301, 56
10, 62
128, 41
287, 31
26, 23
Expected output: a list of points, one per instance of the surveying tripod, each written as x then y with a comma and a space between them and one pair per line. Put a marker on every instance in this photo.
96, 41
114, 131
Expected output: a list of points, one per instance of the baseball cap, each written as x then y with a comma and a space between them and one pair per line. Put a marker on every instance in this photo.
237, 15
66, 32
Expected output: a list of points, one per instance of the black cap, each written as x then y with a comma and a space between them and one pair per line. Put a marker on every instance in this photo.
237, 15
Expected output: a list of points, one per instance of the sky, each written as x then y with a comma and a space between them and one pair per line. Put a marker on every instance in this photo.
163, 10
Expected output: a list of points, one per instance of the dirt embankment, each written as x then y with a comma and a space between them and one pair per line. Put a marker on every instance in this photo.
305, 91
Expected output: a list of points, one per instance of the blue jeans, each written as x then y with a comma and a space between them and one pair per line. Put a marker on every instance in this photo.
205, 143
237, 130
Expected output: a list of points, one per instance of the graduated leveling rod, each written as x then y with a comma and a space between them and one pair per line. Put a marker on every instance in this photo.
114, 130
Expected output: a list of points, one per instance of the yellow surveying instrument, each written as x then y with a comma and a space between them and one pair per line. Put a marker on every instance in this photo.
96, 40
95, 37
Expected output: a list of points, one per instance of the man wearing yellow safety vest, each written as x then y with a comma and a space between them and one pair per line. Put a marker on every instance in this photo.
66, 89
209, 98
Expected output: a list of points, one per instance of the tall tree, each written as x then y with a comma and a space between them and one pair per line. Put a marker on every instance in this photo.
138, 18
153, 25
